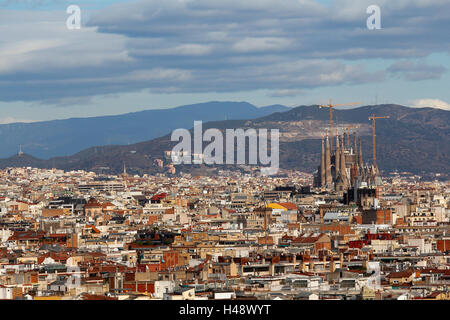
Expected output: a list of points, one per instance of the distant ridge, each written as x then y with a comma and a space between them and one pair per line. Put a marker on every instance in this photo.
47, 139
412, 140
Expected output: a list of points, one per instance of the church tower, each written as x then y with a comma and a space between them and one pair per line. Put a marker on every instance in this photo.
360, 157
328, 177
322, 165
337, 156
343, 169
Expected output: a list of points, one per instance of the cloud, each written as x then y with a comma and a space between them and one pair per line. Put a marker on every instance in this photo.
188, 49
67, 101
431, 103
31, 3
263, 44
287, 93
39, 42
201, 46
14, 120
416, 71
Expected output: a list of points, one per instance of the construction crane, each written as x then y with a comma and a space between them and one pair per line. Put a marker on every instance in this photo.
331, 106
373, 118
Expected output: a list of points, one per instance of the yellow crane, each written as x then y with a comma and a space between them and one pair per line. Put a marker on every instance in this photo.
373, 118
331, 106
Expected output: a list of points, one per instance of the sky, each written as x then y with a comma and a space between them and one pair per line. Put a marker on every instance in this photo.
137, 55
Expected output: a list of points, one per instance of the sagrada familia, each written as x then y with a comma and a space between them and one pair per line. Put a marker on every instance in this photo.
343, 168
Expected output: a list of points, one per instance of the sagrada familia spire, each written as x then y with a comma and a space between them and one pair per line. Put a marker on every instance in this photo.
343, 167
328, 177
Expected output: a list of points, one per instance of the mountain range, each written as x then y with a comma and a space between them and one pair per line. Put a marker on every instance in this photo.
416, 140
46, 139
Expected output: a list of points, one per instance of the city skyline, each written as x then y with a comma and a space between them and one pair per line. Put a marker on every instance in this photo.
259, 153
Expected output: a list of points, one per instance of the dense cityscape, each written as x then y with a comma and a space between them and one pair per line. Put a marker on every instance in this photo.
345, 233
222, 158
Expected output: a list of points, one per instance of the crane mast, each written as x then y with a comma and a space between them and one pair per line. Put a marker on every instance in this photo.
373, 118
331, 106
